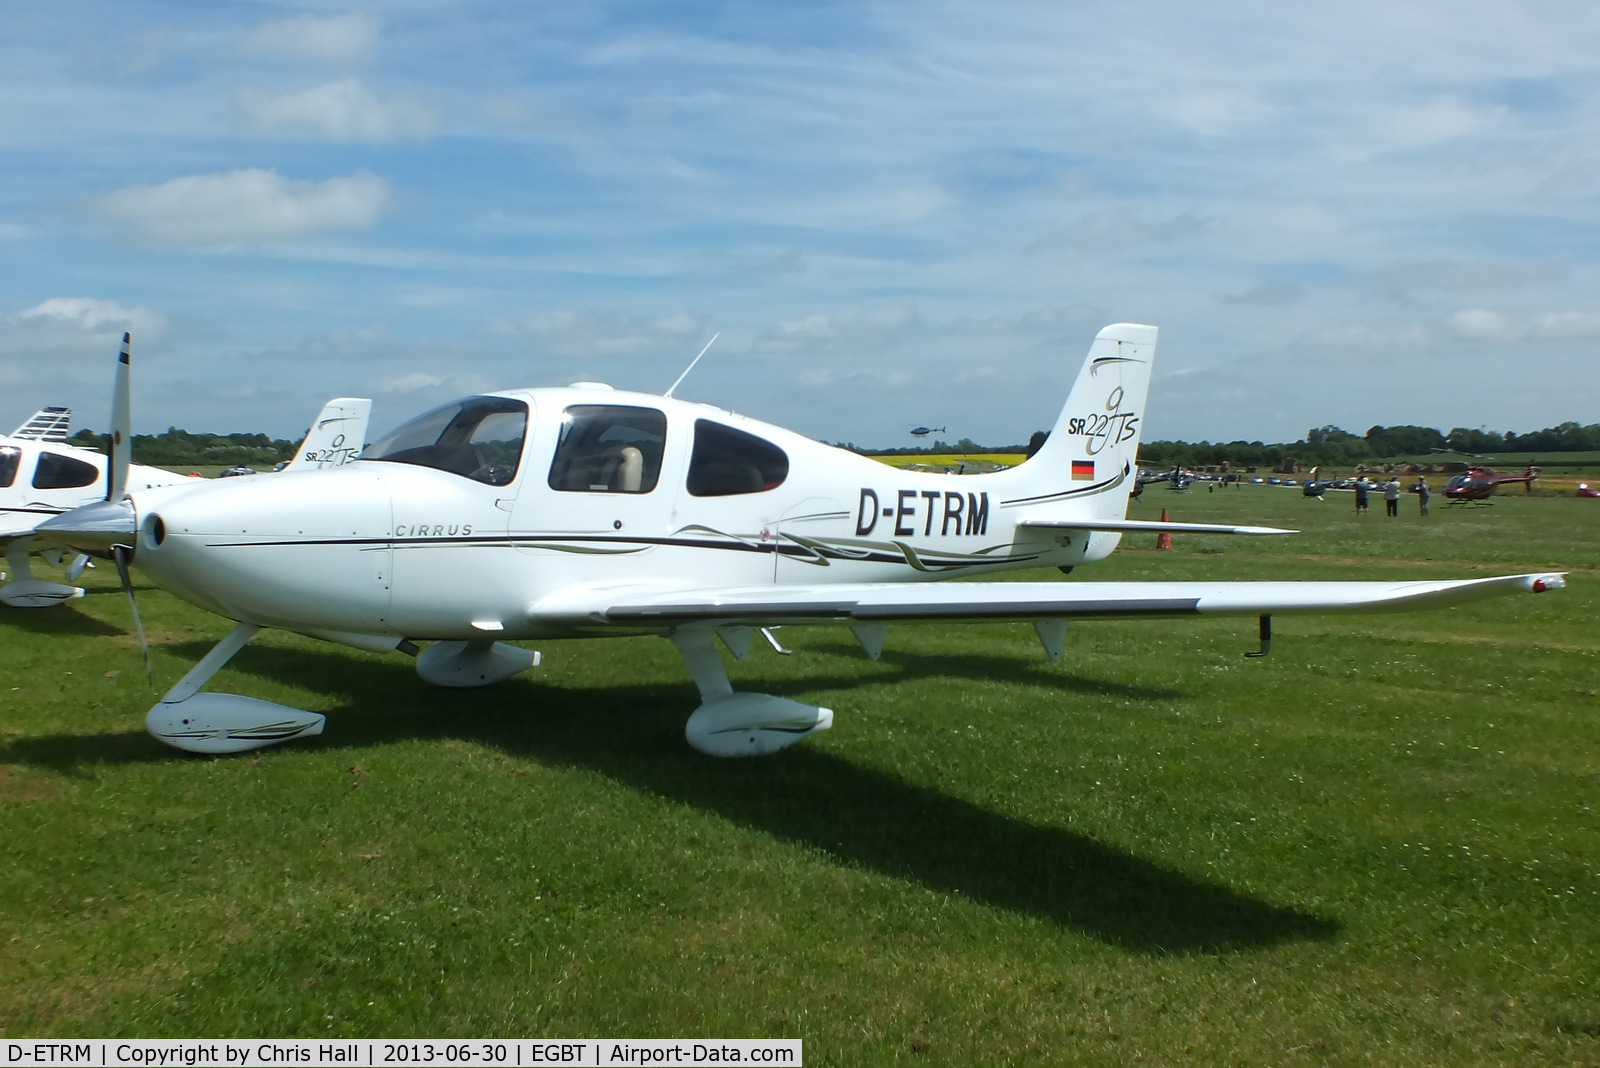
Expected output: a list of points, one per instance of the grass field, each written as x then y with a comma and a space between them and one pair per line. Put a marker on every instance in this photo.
1378, 845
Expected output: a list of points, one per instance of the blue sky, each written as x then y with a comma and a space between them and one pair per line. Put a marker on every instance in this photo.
895, 213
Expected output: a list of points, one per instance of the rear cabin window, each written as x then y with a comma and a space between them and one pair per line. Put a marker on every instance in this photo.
727, 462
609, 448
10, 459
63, 472
479, 438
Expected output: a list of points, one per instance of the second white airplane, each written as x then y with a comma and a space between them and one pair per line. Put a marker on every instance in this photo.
42, 475
585, 511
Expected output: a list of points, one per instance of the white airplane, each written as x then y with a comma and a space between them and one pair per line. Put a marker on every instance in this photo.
587, 511
41, 475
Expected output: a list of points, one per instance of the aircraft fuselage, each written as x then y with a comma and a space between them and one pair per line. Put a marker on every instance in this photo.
398, 550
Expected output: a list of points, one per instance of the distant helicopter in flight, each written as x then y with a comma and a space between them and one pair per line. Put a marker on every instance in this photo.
924, 431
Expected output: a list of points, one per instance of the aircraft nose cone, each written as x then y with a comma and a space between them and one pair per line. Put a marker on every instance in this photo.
93, 527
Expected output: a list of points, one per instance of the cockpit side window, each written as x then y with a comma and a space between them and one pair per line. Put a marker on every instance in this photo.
609, 448
63, 472
727, 462
479, 438
10, 460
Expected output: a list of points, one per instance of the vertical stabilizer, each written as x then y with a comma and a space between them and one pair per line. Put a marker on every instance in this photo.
336, 437
1087, 467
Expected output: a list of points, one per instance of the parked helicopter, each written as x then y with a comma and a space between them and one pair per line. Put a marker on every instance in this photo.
1479, 484
586, 511
1315, 487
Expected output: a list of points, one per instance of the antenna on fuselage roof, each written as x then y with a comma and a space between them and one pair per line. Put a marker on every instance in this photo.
692, 362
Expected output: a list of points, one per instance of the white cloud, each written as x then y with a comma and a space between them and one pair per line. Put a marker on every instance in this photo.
343, 110
411, 383
13, 232
1569, 324
243, 207
1365, 340
850, 326
1111, 230
89, 314
1480, 324
605, 334
60, 351
333, 40
1272, 293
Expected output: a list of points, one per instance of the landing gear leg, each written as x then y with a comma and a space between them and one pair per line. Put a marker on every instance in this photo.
729, 724
25, 591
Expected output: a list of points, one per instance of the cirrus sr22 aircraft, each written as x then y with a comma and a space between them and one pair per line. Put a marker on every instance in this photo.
584, 511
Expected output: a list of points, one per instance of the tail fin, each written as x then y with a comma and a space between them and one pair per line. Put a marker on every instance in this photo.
336, 437
1091, 455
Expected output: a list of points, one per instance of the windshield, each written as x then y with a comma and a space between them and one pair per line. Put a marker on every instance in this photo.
479, 438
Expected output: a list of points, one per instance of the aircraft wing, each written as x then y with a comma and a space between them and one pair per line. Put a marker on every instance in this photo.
1146, 526
20, 522
12, 527
893, 602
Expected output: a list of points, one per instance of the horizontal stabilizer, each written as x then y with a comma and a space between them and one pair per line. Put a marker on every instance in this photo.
46, 424
1129, 526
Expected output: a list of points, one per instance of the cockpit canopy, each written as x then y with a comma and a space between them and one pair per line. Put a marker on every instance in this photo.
478, 438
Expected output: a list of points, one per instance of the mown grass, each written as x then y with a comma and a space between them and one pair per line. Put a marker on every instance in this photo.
1377, 845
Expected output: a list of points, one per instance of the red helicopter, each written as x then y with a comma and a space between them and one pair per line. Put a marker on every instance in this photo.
1479, 483
1586, 490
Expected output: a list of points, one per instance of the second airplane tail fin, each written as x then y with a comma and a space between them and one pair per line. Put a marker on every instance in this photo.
336, 437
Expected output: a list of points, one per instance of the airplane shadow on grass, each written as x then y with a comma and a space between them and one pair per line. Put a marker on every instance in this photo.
863, 817
61, 619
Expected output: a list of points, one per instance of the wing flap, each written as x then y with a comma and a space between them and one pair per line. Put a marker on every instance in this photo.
1146, 526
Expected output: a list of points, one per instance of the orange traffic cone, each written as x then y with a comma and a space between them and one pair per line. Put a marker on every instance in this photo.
1164, 540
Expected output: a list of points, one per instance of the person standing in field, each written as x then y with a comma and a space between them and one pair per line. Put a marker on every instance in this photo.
1391, 497
1361, 495
1421, 491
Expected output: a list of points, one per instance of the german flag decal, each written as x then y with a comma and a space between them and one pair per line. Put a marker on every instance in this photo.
1083, 470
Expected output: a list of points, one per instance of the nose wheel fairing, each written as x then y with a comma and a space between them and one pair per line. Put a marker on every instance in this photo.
217, 723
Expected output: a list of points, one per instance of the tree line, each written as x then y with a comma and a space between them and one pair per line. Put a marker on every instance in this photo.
1334, 446
1323, 445
1330, 445
179, 448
